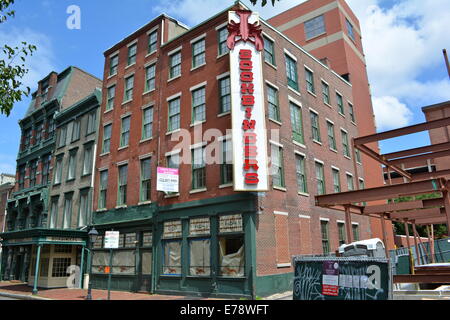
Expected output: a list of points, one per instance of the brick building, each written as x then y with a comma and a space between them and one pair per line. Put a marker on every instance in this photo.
29, 231
6, 186
166, 83
330, 31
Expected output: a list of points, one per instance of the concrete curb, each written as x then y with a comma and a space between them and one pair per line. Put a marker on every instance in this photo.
279, 296
22, 297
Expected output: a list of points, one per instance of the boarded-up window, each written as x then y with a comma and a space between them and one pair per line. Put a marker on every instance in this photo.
172, 229
200, 257
231, 223
172, 258
231, 259
282, 238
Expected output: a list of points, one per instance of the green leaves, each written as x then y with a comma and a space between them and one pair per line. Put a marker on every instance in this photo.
263, 2
12, 66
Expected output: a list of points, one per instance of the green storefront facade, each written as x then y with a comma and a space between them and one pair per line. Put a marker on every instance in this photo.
208, 231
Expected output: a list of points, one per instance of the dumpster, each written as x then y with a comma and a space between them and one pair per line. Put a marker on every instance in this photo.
341, 278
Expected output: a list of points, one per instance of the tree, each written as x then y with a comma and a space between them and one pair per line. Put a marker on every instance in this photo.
263, 2
11, 71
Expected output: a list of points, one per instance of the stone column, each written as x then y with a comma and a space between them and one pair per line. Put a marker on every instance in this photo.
36, 271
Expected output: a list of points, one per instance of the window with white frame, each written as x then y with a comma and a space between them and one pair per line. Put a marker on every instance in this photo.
67, 211
198, 53
331, 135
147, 123
225, 95
146, 174
111, 95
309, 76
320, 178
300, 165
199, 105
297, 123
325, 93
175, 65
269, 52
72, 166
325, 237
84, 209
125, 132
150, 74
336, 180
103, 190
226, 165
350, 182
152, 41
174, 114
222, 37
129, 84
87, 160
198, 168
315, 126
75, 130
272, 99
106, 138
122, 188
345, 144
91, 122
277, 166
113, 65
132, 52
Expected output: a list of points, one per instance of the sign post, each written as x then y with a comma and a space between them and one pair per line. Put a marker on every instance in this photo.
111, 242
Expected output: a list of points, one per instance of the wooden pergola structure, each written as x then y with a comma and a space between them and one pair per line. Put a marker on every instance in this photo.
417, 212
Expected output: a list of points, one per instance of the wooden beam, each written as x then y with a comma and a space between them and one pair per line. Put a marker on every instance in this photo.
393, 207
417, 151
379, 193
426, 126
418, 214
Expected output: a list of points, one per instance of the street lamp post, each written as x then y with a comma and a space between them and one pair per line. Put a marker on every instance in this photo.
92, 238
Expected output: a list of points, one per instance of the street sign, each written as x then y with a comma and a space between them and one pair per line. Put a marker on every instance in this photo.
112, 239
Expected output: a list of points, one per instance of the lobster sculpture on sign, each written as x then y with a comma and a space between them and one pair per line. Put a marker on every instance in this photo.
244, 31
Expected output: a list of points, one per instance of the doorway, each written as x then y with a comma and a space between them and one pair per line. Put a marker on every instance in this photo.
145, 271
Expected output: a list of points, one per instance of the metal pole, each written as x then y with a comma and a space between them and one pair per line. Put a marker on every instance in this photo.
419, 260
383, 227
348, 224
91, 252
81, 267
408, 241
36, 273
110, 273
446, 61
432, 244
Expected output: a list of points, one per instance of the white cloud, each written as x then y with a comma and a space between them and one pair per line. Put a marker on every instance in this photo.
390, 113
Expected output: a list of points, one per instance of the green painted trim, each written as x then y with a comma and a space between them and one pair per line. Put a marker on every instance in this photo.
273, 284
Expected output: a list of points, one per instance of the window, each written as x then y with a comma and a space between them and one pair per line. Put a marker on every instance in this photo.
172, 234
33, 173
110, 98
173, 161
129, 84
291, 72
331, 136
199, 247
362, 185
351, 113
198, 169
226, 166
146, 174
125, 133
225, 95
147, 239
58, 170
341, 231
272, 98
27, 139
53, 213
300, 163
22, 169
174, 114
113, 65
87, 161
340, 103
297, 123
76, 130
309, 75
132, 51
320, 177
223, 36
38, 136
72, 166
336, 180
350, 31
150, 74
325, 93
67, 212
46, 160
50, 127
198, 105
350, 183
152, 41
231, 246
147, 123
91, 123
62, 136
315, 126
123, 179
355, 229
84, 209
106, 138
345, 143
314, 27
60, 266
325, 240
358, 155
198, 53
103, 189
277, 166
175, 65
269, 52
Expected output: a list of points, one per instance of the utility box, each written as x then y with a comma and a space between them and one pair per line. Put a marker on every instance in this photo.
342, 278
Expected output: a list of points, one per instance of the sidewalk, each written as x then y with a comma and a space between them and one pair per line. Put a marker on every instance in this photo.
23, 292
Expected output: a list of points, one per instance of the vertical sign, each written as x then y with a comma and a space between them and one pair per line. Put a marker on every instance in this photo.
330, 279
112, 239
247, 100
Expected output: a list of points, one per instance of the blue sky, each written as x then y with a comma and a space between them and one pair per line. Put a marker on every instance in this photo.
403, 42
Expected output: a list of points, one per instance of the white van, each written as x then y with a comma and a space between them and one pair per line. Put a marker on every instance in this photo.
373, 248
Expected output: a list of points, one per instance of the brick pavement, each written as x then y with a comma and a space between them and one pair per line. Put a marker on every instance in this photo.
80, 294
